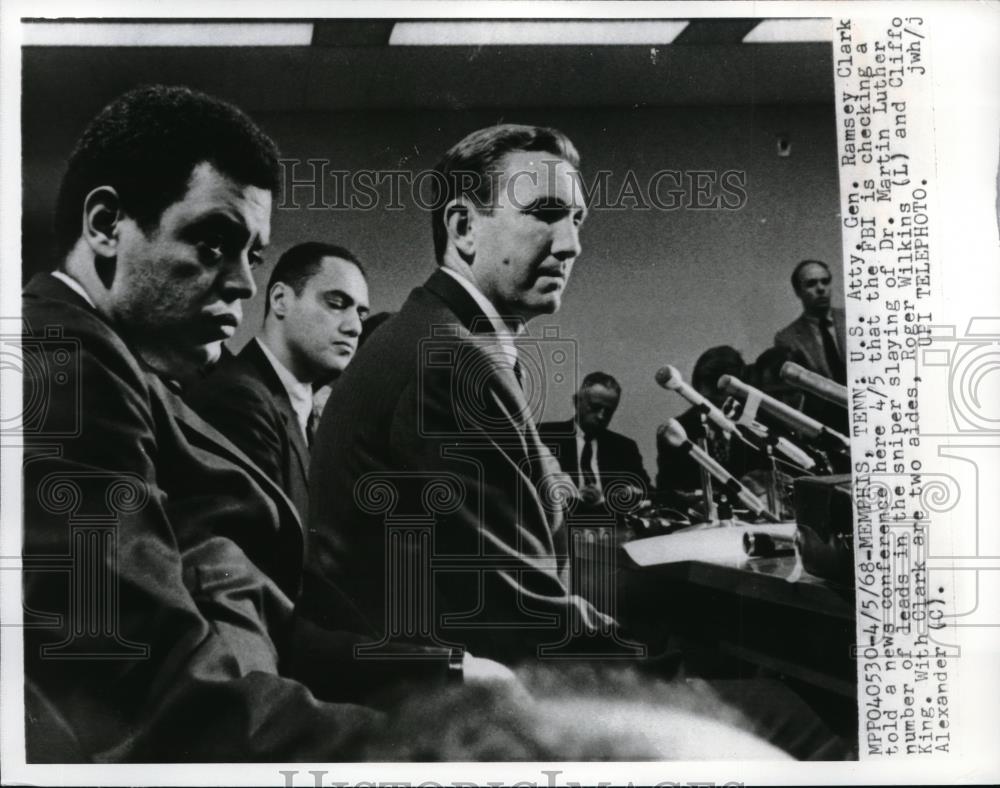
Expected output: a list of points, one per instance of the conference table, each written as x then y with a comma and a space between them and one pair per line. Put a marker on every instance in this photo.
734, 616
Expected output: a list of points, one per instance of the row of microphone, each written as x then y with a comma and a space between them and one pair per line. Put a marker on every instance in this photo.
818, 434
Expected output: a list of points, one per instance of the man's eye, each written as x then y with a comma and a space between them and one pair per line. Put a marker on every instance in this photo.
256, 259
213, 247
549, 215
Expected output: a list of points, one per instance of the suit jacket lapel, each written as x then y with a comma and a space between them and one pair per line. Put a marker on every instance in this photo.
471, 317
813, 345
566, 441
200, 433
840, 326
255, 358
512, 399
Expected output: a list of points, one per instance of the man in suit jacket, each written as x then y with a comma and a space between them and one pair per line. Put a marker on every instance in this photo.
676, 471
819, 333
587, 450
161, 563
262, 399
434, 501
819, 336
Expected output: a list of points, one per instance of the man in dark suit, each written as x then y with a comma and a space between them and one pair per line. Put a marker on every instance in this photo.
676, 471
262, 399
435, 503
819, 333
161, 563
587, 450
818, 336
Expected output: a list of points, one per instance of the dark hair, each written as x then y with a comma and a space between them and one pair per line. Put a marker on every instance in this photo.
714, 363
145, 145
301, 263
601, 379
798, 269
470, 166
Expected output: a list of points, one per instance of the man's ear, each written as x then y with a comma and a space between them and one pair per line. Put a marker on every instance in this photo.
277, 298
460, 219
102, 216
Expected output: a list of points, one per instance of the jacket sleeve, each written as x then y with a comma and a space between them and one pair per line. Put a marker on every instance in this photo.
635, 463
146, 650
488, 504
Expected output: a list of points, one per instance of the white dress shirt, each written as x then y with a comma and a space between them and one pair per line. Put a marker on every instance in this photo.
75, 286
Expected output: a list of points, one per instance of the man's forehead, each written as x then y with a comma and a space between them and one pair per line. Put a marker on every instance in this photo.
813, 271
338, 272
599, 391
212, 191
540, 173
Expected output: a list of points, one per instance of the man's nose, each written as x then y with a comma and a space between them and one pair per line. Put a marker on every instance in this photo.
237, 282
566, 241
351, 324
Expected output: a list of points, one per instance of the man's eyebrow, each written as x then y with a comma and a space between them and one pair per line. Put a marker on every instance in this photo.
553, 203
221, 220
338, 293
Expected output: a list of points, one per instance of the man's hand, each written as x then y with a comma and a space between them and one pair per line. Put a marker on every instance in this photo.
591, 496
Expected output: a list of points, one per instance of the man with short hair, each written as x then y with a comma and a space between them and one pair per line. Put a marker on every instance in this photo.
262, 399
819, 333
429, 426
677, 472
819, 337
587, 450
163, 561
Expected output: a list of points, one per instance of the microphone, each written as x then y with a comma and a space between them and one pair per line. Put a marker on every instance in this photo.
822, 387
670, 378
675, 435
798, 421
782, 445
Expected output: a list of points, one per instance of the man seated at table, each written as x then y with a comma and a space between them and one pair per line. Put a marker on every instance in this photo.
677, 472
262, 398
592, 454
196, 553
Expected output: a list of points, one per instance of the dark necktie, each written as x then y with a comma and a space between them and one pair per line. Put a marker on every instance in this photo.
518, 374
833, 358
587, 463
311, 424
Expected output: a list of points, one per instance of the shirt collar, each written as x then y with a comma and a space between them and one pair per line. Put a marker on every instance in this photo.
500, 328
75, 286
819, 321
299, 393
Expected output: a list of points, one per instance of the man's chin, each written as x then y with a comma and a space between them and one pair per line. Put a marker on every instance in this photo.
180, 362
547, 303
211, 353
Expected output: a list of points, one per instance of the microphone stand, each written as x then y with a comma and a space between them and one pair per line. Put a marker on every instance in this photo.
773, 494
706, 477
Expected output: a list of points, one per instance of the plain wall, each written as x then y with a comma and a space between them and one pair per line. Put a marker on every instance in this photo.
652, 287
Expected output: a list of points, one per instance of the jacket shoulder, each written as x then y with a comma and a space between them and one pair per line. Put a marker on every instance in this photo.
53, 325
